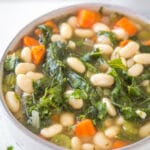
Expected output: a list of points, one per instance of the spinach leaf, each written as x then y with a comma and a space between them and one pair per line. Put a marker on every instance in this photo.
110, 35
45, 37
117, 64
144, 48
10, 62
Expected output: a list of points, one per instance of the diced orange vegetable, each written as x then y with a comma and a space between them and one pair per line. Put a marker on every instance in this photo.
29, 41
123, 43
119, 143
87, 18
147, 43
38, 53
52, 25
37, 32
55, 118
85, 128
127, 25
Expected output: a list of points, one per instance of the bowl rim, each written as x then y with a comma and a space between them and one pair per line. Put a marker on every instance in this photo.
10, 116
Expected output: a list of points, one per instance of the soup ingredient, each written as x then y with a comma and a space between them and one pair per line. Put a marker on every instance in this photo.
143, 35
119, 144
66, 31
110, 35
29, 41
76, 103
135, 70
129, 50
35, 119
110, 108
52, 25
62, 140
101, 141
10, 62
76, 64
85, 128
112, 131
145, 130
120, 33
123, 43
102, 79
72, 21
34, 75
45, 37
143, 58
24, 83
100, 27
26, 55
23, 68
75, 143
57, 38
38, 53
105, 49
87, 18
12, 101
87, 146
67, 119
127, 25
84, 33
51, 131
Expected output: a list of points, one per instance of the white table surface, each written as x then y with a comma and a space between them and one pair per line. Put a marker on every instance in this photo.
15, 14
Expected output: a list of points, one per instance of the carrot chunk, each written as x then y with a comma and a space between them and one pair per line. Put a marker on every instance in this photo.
119, 143
85, 128
29, 41
51, 24
37, 32
128, 26
123, 43
87, 18
38, 53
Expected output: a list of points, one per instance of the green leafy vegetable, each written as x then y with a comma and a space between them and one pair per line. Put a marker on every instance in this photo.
110, 35
46, 34
117, 64
62, 140
10, 62
10, 148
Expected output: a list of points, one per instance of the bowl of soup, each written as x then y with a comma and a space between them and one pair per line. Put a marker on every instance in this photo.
79, 78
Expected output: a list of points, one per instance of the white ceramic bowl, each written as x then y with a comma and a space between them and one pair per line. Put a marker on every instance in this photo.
25, 139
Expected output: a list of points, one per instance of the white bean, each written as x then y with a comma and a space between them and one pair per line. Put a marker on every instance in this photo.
104, 40
145, 130
67, 119
66, 31
100, 27
57, 37
129, 50
51, 130
110, 108
26, 55
84, 33
120, 33
75, 143
119, 120
112, 131
76, 103
71, 44
130, 62
72, 21
34, 75
12, 101
76, 64
115, 53
23, 68
141, 114
102, 79
143, 58
104, 48
87, 146
135, 70
24, 83
101, 141
108, 122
